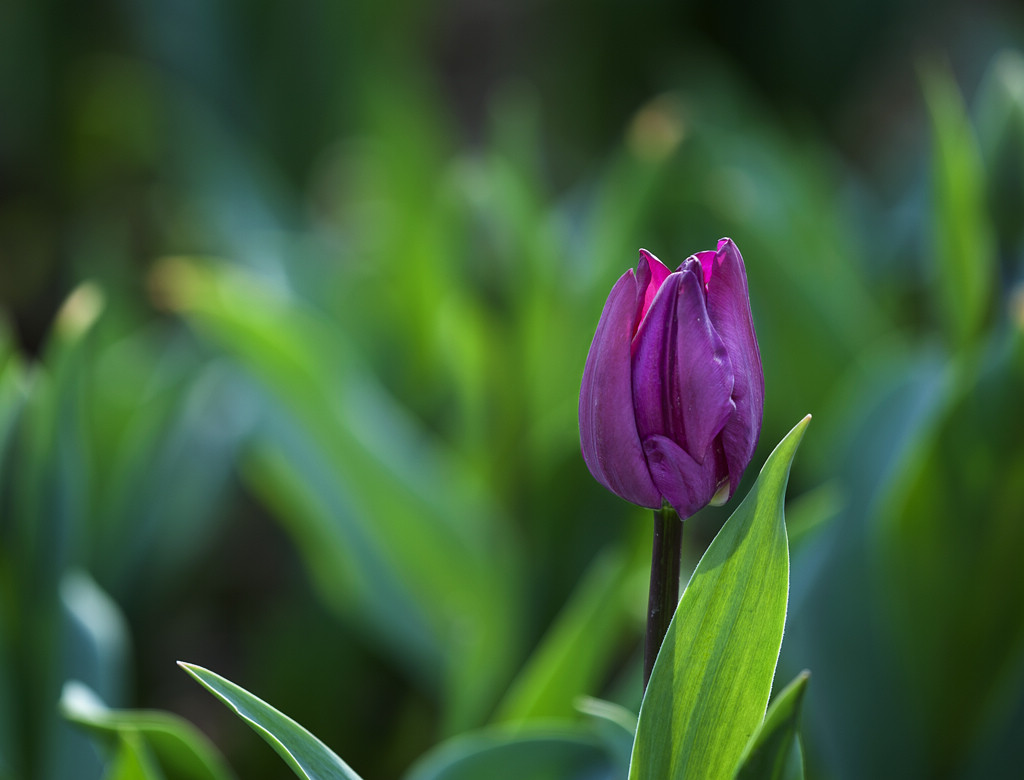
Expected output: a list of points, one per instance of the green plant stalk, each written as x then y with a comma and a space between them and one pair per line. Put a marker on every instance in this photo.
666, 552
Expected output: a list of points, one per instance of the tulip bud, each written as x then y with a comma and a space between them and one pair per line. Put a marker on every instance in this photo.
673, 391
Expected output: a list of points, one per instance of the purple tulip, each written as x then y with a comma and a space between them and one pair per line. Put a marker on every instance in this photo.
673, 392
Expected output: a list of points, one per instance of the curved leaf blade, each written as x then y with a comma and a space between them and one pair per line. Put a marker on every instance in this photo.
551, 751
964, 243
146, 739
710, 685
770, 750
306, 755
615, 726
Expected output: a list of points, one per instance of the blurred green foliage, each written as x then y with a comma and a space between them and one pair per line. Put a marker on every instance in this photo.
297, 303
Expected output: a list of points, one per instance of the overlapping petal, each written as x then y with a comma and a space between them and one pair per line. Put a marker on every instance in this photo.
682, 381
729, 309
608, 436
686, 484
651, 274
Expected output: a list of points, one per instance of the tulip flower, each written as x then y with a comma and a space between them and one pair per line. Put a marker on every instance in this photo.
673, 392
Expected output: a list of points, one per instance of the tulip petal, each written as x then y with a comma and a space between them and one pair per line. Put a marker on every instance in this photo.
651, 273
608, 436
682, 379
707, 263
686, 484
729, 309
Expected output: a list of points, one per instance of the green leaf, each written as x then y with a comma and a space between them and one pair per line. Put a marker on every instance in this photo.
143, 736
795, 765
964, 242
307, 756
769, 752
710, 685
579, 646
615, 726
133, 761
547, 752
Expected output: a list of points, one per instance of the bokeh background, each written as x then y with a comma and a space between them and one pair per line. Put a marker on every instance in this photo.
297, 298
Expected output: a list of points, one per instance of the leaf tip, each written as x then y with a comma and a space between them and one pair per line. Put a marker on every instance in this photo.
800, 682
799, 429
192, 669
787, 447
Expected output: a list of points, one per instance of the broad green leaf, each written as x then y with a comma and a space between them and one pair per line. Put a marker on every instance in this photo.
964, 243
307, 756
710, 685
539, 752
174, 743
769, 752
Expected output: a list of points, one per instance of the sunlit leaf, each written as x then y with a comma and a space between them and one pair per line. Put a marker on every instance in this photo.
718, 659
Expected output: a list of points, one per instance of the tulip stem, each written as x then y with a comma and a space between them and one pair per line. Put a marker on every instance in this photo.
663, 597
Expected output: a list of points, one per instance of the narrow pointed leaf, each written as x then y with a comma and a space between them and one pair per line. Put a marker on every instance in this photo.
770, 750
964, 242
710, 685
306, 755
795, 764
